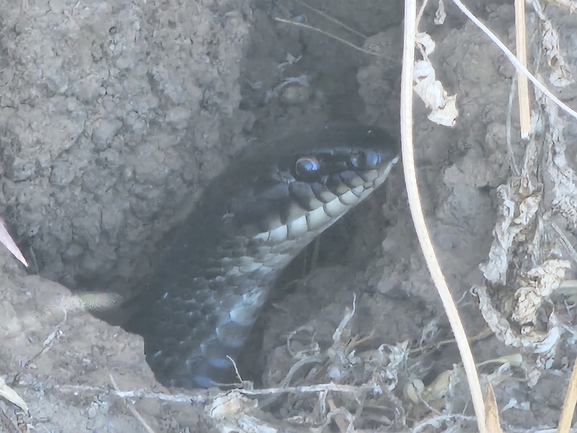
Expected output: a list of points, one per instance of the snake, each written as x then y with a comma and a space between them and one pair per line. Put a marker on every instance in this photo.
251, 221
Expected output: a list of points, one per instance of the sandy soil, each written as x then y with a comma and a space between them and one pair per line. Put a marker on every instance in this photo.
114, 115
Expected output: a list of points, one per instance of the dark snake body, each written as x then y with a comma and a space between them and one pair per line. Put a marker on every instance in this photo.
251, 222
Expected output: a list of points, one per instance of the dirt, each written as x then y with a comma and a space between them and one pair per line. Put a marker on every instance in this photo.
115, 115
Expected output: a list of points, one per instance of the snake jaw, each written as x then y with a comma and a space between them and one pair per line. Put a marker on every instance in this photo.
316, 209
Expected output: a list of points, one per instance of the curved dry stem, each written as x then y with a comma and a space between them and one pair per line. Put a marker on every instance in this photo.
419, 220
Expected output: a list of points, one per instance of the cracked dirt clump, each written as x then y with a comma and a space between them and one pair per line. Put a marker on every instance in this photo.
110, 123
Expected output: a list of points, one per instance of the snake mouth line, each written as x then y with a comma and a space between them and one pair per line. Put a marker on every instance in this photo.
327, 213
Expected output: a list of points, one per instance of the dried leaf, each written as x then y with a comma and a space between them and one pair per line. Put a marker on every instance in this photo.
440, 15
9, 243
439, 387
535, 287
542, 343
563, 177
230, 406
560, 75
515, 360
426, 42
12, 396
413, 390
520, 203
443, 107
345, 321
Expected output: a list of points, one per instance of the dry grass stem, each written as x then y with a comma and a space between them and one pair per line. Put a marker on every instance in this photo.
523, 88
330, 35
419, 219
510, 152
569, 404
435, 420
339, 418
493, 424
514, 60
202, 396
132, 409
421, 12
331, 19
8, 425
565, 242
485, 333
198, 397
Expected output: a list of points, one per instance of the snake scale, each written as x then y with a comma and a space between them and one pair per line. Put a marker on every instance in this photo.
202, 301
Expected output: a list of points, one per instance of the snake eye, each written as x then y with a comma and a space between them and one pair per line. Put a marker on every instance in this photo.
307, 167
365, 160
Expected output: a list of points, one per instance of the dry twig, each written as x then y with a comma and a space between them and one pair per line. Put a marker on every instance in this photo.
510, 152
569, 404
132, 409
202, 396
493, 424
332, 19
330, 35
523, 89
419, 219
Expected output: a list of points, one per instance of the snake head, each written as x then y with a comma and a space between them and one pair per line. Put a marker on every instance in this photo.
311, 182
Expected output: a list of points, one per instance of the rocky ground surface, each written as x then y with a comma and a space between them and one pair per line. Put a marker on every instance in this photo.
115, 115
